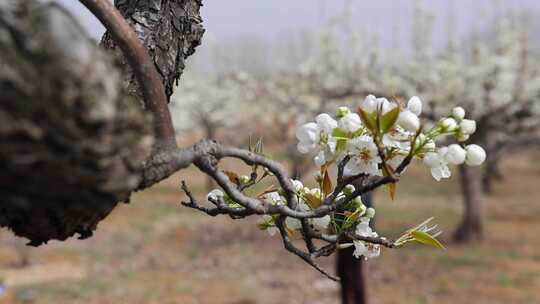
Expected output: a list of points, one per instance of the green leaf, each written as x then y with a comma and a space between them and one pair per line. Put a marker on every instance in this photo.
351, 217
259, 147
338, 133
420, 225
388, 120
369, 120
425, 238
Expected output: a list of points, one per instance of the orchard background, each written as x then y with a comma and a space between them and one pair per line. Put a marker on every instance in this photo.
156, 251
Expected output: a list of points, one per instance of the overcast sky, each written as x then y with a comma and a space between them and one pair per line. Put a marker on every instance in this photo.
269, 20
225, 18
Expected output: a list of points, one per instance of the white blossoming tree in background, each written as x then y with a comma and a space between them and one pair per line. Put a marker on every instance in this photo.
496, 82
344, 65
472, 102
211, 105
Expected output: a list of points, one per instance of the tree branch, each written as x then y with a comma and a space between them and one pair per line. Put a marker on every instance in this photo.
140, 62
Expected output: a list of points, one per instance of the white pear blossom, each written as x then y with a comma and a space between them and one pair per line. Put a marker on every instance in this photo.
408, 121
437, 163
349, 189
372, 104
361, 248
467, 126
364, 157
370, 212
385, 105
273, 198
293, 224
462, 137
297, 185
415, 105
456, 154
369, 104
350, 123
317, 138
321, 223
215, 195
397, 137
449, 124
458, 113
475, 155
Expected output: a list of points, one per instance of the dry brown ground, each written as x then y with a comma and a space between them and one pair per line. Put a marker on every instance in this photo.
153, 251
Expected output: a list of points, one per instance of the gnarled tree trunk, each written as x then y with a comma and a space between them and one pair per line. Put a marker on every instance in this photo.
72, 142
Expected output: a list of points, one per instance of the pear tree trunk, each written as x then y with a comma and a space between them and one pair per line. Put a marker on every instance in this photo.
353, 271
472, 225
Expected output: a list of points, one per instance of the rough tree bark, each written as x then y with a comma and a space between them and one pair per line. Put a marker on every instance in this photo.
72, 145
471, 226
353, 271
169, 29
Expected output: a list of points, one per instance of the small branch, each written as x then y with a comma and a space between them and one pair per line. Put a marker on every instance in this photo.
280, 223
221, 206
142, 65
373, 240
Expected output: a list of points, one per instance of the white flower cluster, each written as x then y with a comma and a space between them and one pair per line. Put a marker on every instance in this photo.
438, 159
374, 141
361, 248
307, 199
386, 126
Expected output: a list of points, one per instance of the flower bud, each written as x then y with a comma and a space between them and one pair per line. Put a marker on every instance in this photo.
350, 123
467, 126
475, 155
348, 190
415, 105
449, 124
370, 212
458, 113
215, 195
297, 185
456, 154
430, 145
342, 111
321, 223
408, 121
244, 179
462, 137
385, 105
369, 104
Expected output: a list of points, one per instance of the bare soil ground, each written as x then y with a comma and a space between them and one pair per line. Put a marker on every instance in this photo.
154, 251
